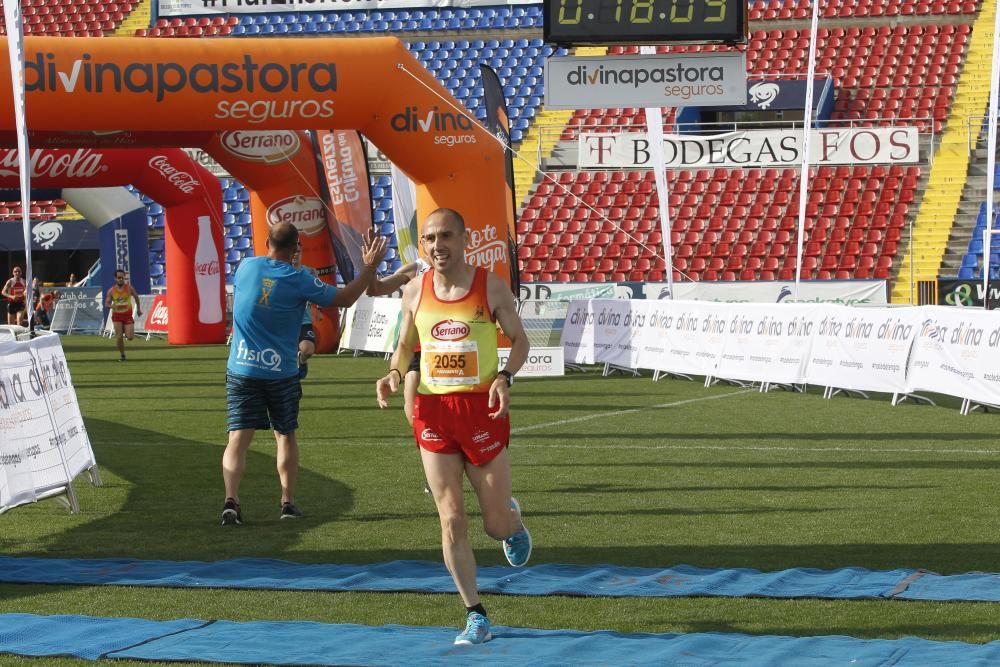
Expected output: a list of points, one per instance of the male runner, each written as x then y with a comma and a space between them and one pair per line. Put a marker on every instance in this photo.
119, 300
460, 415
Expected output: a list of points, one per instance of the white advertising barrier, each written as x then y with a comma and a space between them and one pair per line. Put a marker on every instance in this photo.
957, 352
752, 148
542, 362
839, 292
209, 7
766, 342
43, 440
863, 349
683, 336
577, 339
614, 332
371, 325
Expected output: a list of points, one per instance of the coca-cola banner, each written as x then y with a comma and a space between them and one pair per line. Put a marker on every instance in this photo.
752, 148
208, 7
156, 316
186, 191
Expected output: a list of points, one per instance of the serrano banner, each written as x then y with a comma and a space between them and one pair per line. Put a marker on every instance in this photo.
164, 92
210, 7
752, 148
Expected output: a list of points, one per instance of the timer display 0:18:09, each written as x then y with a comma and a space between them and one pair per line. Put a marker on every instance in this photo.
645, 21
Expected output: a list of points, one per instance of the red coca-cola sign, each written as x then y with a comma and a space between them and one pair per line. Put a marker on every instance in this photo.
182, 180
79, 163
156, 316
207, 268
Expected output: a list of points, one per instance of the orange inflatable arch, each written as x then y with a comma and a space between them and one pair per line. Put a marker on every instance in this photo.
154, 91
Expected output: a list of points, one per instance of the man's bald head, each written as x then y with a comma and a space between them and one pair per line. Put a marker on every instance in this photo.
283, 237
448, 215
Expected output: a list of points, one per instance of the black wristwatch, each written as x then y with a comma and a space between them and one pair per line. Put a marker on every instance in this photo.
508, 376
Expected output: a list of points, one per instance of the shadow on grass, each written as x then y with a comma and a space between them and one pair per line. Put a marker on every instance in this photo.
173, 504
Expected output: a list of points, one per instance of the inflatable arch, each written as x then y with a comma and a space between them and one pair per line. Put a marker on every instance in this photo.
170, 92
192, 202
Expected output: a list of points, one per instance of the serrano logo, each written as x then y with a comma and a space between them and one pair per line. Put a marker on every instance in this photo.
81, 163
449, 129
181, 180
306, 213
163, 80
267, 147
450, 330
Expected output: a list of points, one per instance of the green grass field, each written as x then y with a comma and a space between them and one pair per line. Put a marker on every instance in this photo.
615, 470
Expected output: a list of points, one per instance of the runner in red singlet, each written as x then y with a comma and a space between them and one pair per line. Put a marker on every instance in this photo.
119, 300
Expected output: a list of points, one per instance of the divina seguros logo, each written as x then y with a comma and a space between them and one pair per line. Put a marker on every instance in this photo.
164, 80
449, 129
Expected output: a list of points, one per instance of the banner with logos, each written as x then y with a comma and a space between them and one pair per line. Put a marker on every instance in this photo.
541, 362
774, 93
766, 343
752, 148
957, 292
43, 440
78, 310
156, 319
372, 325
839, 292
578, 332
344, 175
210, 7
683, 337
662, 80
864, 349
51, 235
955, 353
895, 350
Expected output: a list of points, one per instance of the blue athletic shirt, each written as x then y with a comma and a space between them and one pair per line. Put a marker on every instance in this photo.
269, 298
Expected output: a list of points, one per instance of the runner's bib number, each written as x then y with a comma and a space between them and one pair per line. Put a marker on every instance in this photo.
450, 364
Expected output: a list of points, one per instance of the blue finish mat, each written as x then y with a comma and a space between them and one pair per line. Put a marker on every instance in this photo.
307, 643
582, 580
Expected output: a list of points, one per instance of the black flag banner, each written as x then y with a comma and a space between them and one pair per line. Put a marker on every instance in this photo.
498, 124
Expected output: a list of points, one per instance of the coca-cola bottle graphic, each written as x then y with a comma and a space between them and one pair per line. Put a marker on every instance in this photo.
207, 274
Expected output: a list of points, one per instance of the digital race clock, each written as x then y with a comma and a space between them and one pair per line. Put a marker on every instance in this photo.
645, 21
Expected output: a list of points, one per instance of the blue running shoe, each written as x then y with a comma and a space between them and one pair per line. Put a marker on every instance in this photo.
517, 547
477, 630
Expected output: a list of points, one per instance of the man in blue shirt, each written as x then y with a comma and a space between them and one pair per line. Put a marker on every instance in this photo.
262, 376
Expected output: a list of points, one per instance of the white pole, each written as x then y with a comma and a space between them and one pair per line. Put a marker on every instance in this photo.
806, 131
991, 154
15, 50
654, 130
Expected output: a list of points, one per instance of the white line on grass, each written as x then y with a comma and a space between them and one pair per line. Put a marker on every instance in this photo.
751, 448
619, 413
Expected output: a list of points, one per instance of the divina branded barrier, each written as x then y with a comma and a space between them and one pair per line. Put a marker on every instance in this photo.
262, 93
43, 440
951, 351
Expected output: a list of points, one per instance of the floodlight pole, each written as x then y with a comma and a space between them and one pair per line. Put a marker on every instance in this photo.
991, 155
806, 132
